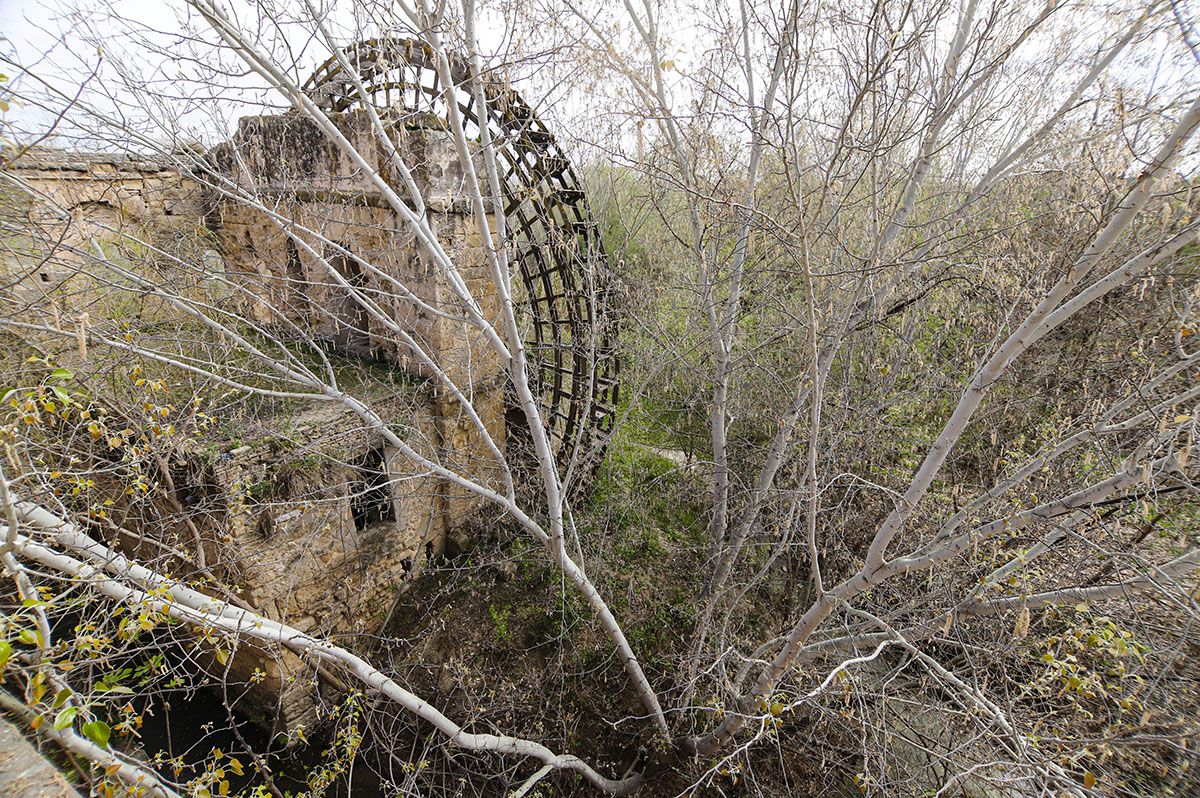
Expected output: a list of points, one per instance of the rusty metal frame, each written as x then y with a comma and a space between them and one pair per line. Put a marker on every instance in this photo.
558, 250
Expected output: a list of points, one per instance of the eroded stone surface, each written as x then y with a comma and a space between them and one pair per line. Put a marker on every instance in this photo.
75, 199
24, 773
336, 208
319, 525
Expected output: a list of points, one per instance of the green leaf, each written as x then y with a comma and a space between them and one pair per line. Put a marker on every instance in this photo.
115, 688
65, 718
61, 697
62, 374
60, 393
8, 394
98, 732
29, 637
5, 652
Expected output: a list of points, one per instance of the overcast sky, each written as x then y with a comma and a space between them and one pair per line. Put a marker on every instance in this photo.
42, 34
54, 37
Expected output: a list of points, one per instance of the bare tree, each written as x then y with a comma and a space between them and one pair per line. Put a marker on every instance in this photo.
925, 270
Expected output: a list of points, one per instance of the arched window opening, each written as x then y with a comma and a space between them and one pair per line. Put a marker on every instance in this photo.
352, 331
371, 499
296, 283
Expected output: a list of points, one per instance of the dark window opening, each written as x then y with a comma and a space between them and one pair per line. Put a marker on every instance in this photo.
371, 498
295, 277
352, 331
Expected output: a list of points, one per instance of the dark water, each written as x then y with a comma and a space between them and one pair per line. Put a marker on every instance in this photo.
190, 725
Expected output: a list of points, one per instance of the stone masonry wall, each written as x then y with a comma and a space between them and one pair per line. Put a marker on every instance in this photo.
315, 564
73, 199
286, 161
293, 544
293, 536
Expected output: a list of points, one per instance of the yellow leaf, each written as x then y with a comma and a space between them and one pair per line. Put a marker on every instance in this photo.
1089, 780
1022, 626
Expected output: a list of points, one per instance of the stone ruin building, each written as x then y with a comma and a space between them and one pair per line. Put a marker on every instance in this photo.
328, 547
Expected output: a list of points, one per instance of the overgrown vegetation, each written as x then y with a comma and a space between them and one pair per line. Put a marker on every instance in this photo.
899, 496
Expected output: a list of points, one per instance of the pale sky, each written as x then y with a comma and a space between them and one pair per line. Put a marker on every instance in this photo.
35, 27
198, 110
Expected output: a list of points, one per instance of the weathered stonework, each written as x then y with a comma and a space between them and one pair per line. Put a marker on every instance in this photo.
328, 536
112, 189
73, 199
331, 546
287, 161
24, 773
312, 519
